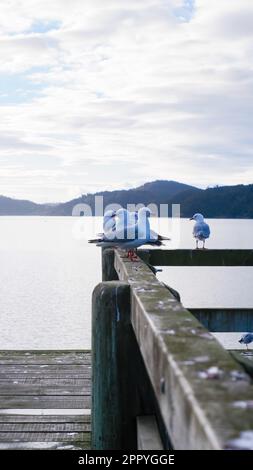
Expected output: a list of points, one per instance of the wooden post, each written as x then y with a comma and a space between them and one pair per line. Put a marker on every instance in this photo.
148, 433
121, 389
108, 270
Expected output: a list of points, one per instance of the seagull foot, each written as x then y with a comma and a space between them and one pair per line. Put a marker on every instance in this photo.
132, 255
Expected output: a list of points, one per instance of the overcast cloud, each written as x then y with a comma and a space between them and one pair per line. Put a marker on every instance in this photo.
103, 94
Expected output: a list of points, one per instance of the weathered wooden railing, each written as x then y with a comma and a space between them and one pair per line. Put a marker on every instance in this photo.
160, 378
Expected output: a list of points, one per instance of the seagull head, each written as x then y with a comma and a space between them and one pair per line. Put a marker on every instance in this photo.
109, 214
197, 217
121, 212
145, 211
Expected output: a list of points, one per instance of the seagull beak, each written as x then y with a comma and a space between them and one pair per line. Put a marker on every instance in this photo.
191, 218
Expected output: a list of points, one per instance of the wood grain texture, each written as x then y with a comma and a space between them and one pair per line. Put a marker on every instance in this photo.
48, 357
42, 445
148, 433
38, 419
178, 353
186, 257
22, 436
44, 380
121, 389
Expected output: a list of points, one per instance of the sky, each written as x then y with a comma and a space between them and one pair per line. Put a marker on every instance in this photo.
99, 94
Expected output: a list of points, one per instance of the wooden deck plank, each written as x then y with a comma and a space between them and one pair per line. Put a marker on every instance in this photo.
44, 427
41, 368
38, 419
44, 436
41, 393
42, 445
49, 375
17, 389
48, 381
44, 401
31, 358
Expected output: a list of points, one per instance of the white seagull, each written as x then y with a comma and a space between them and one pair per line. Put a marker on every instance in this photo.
201, 230
247, 338
109, 223
130, 234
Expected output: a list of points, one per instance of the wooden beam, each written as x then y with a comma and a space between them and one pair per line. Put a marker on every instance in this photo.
121, 389
196, 382
108, 271
225, 319
148, 434
197, 257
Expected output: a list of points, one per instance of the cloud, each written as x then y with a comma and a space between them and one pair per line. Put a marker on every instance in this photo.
116, 93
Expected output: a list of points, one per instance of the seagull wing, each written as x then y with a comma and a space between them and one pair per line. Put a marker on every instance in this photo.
201, 230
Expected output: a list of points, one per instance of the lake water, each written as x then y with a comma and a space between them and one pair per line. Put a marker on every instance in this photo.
48, 272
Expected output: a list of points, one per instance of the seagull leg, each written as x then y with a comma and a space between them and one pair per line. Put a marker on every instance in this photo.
197, 244
132, 255
247, 347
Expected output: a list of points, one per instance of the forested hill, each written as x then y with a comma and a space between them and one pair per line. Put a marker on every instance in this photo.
220, 202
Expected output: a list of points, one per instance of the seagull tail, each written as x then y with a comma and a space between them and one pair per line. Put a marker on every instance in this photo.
95, 240
156, 242
161, 237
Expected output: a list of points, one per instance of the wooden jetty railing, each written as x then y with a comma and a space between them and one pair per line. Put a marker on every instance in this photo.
160, 378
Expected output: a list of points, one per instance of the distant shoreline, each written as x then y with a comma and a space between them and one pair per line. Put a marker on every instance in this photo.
76, 217
221, 202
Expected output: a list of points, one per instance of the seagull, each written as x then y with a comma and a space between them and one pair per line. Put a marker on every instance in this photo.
201, 230
109, 224
109, 221
144, 230
246, 339
125, 220
130, 234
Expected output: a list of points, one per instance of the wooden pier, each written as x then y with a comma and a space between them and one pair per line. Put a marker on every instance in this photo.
45, 399
161, 380
163, 377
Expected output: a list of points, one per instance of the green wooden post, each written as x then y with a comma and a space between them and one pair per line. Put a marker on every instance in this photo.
120, 386
108, 271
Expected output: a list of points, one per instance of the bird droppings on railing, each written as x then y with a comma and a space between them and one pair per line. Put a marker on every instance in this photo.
201, 359
169, 332
243, 442
187, 363
211, 373
238, 375
243, 404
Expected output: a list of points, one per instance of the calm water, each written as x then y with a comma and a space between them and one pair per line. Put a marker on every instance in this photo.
48, 271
